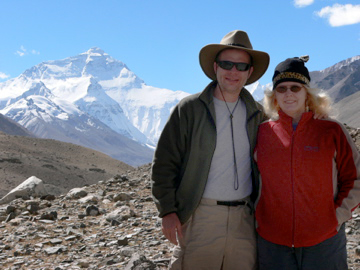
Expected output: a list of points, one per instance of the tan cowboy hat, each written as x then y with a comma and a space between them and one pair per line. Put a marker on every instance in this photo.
234, 40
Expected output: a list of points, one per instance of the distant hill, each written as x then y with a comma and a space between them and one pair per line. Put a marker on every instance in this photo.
347, 110
8, 126
340, 80
342, 83
59, 164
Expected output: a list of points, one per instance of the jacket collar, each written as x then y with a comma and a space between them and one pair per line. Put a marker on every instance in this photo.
286, 120
251, 105
207, 94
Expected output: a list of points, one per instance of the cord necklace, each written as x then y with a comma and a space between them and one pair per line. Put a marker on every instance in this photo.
236, 180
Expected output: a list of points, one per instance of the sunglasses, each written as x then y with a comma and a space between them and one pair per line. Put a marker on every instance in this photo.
228, 65
283, 89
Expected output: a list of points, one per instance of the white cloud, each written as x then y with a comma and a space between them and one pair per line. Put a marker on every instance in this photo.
303, 3
339, 15
23, 51
20, 53
3, 76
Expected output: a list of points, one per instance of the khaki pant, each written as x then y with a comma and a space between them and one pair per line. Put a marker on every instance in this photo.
217, 237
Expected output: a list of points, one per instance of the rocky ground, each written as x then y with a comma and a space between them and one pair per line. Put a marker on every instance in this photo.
112, 224
109, 225
101, 226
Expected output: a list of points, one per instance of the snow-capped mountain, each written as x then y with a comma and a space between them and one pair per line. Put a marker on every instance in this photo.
92, 93
95, 101
257, 90
343, 64
47, 116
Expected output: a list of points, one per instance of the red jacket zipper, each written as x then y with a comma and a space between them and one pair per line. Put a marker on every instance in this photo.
292, 182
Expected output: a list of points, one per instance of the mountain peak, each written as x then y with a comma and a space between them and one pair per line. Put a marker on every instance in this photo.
341, 64
95, 51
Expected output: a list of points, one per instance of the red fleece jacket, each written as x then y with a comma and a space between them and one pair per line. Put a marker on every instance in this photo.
310, 180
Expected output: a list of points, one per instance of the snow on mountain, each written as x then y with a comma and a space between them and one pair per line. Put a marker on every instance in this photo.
99, 105
257, 90
341, 64
148, 108
50, 117
89, 88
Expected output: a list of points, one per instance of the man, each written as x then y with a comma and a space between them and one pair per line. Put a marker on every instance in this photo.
203, 173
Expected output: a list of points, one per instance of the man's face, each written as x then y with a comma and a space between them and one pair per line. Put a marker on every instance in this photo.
232, 81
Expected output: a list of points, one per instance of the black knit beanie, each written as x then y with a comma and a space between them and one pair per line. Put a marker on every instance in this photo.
292, 69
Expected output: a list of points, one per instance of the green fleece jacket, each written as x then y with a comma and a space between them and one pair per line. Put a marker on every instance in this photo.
185, 149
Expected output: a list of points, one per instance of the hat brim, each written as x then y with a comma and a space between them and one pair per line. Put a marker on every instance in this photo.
260, 60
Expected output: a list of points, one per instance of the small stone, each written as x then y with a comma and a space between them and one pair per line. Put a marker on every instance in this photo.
10, 217
115, 222
55, 250
123, 241
49, 216
71, 238
357, 250
83, 264
9, 209
55, 241
122, 197
92, 210
33, 208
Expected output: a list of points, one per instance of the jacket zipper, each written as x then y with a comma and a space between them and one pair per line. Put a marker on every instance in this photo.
293, 192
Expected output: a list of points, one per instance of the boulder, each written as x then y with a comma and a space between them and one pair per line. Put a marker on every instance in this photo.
31, 187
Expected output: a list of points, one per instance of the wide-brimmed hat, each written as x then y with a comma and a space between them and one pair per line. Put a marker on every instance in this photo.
234, 40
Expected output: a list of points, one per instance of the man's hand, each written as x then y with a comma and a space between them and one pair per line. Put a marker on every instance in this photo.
170, 226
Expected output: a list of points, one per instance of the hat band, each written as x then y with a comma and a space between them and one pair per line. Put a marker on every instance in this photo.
291, 75
236, 44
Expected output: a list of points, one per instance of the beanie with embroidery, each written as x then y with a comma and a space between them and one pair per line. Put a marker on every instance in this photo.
292, 69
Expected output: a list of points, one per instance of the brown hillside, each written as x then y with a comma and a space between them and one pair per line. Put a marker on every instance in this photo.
64, 165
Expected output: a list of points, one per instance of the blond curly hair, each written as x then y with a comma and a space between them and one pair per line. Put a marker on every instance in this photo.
317, 102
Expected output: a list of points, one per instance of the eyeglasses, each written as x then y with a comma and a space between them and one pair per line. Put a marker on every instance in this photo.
283, 89
228, 65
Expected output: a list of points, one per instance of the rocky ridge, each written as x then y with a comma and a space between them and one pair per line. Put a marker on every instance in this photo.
112, 224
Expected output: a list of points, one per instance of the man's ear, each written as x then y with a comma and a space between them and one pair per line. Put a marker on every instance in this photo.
250, 71
215, 67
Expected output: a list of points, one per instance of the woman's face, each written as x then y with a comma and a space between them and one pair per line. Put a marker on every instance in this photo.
291, 97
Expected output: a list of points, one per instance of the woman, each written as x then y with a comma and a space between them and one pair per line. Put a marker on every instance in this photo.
310, 177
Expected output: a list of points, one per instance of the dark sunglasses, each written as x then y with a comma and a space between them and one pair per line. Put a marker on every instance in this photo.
229, 65
293, 88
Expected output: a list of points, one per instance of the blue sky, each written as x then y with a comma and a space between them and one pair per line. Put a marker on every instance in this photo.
160, 40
